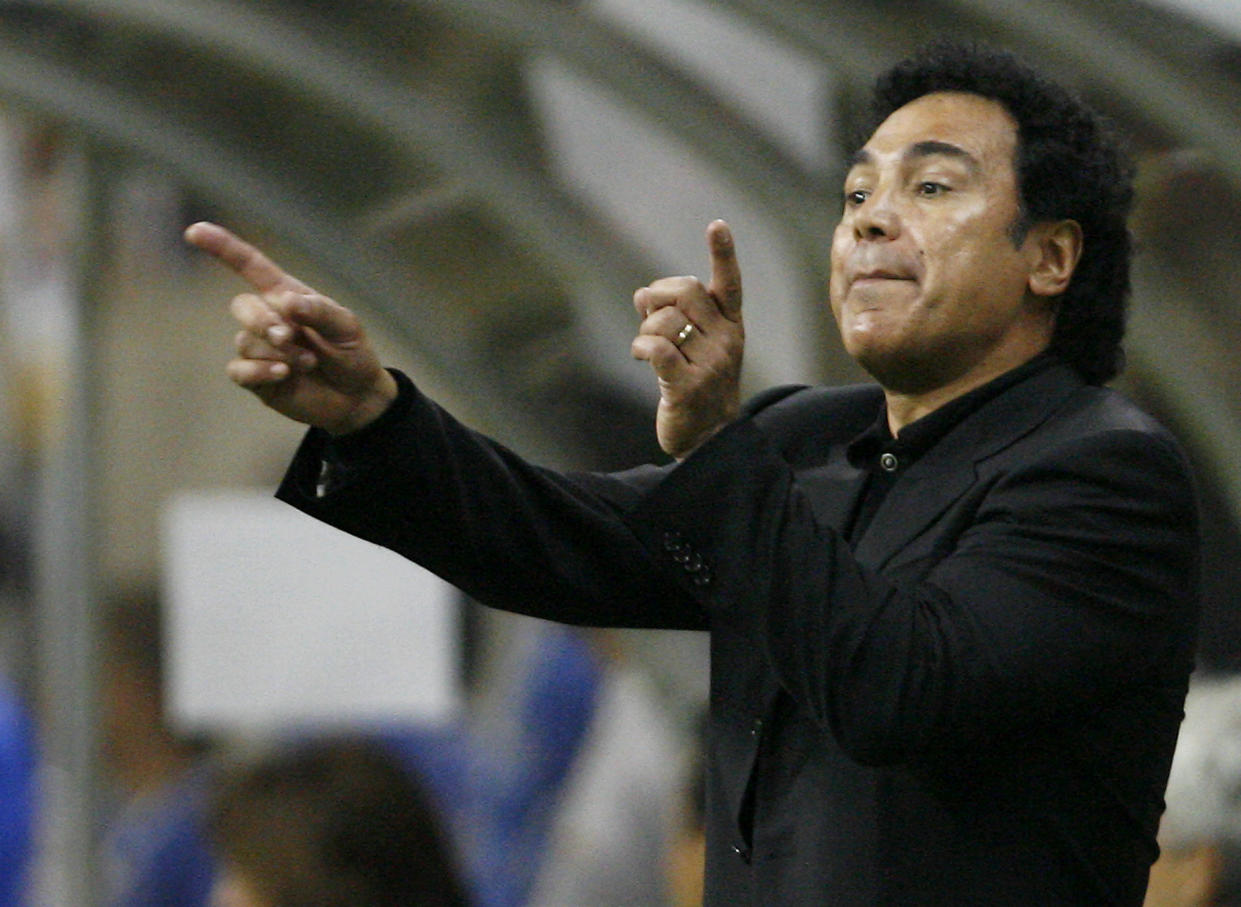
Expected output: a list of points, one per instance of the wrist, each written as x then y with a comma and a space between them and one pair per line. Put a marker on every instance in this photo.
369, 407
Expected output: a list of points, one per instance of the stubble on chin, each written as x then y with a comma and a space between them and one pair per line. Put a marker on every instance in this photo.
901, 367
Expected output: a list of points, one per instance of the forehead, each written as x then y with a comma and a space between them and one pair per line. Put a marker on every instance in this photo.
978, 126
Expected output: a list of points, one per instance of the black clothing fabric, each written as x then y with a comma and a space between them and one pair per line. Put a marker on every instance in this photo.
883, 457
974, 703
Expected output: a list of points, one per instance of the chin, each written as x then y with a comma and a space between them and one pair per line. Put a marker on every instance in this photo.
901, 372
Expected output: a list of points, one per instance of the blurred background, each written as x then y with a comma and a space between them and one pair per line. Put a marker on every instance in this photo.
486, 183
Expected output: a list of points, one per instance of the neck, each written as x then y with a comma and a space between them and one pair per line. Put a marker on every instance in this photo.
904, 408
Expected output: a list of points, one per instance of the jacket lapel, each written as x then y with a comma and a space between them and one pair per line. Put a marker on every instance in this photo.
948, 470
812, 430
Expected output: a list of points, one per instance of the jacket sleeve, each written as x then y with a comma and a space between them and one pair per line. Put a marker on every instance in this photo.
510, 534
1061, 581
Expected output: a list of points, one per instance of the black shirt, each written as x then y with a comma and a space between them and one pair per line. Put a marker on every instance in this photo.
885, 458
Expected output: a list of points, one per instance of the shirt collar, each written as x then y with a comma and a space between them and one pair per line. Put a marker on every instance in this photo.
876, 448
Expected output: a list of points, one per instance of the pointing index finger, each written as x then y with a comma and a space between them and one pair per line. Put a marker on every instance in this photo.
244, 259
725, 285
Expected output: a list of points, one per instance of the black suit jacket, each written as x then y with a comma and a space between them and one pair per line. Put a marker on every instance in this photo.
975, 703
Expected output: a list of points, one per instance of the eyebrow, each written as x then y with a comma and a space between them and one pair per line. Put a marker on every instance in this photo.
927, 148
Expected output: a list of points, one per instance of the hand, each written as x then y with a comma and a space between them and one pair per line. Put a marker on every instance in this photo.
302, 354
694, 338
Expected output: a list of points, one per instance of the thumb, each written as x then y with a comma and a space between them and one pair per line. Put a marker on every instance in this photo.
725, 285
325, 319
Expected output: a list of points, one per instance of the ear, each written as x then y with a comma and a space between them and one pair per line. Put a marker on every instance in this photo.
1054, 248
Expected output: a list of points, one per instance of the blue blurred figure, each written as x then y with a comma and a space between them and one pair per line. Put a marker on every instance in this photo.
498, 780
17, 795
155, 850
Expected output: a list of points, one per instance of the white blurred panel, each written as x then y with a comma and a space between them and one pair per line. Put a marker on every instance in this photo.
276, 620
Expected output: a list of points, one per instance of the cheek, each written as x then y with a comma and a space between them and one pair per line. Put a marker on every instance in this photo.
835, 296
841, 244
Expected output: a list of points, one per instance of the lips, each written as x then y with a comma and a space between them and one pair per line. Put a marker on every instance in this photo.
881, 274
879, 277
866, 264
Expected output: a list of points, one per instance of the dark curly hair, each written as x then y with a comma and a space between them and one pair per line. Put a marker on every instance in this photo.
1069, 166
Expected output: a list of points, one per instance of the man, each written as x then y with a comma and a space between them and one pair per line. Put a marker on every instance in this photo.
951, 615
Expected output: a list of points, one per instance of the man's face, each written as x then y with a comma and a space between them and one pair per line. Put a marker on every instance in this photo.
927, 285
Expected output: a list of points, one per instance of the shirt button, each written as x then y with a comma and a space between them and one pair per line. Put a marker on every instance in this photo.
742, 852
888, 462
757, 727
674, 542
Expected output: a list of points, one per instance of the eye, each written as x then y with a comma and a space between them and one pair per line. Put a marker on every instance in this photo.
930, 189
855, 197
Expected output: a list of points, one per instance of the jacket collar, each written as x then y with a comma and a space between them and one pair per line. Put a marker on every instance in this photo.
947, 470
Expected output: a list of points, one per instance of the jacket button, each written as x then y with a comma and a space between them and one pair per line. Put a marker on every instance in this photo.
674, 542
889, 462
742, 852
757, 727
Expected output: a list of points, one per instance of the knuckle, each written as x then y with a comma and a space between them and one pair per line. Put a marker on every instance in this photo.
284, 300
663, 358
666, 319
668, 288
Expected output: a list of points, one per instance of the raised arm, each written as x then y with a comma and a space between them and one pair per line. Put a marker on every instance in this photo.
304, 355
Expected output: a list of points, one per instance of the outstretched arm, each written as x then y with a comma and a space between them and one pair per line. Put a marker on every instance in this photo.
694, 338
302, 354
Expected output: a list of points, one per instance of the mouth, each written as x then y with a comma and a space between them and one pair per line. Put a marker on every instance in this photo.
874, 276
